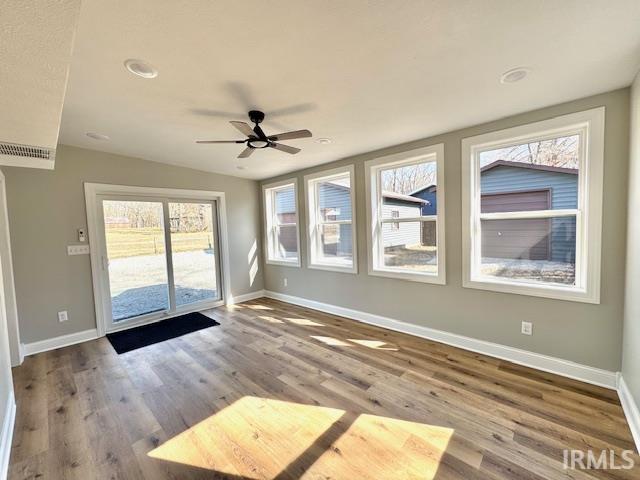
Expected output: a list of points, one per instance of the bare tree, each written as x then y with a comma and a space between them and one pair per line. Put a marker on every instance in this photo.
555, 152
184, 217
408, 179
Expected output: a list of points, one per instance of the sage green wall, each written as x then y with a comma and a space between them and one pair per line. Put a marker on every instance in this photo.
631, 342
584, 333
46, 207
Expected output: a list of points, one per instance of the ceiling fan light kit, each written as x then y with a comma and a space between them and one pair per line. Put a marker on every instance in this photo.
257, 139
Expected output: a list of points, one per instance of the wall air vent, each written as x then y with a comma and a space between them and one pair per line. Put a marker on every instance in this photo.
16, 155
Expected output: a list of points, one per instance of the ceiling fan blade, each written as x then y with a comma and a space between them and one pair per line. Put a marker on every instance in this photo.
220, 141
244, 128
285, 148
246, 152
290, 135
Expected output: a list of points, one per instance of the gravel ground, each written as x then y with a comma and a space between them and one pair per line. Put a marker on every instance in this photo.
414, 257
537, 270
423, 258
139, 284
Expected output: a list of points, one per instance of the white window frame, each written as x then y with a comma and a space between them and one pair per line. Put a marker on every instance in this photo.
270, 224
314, 222
99, 261
590, 125
375, 249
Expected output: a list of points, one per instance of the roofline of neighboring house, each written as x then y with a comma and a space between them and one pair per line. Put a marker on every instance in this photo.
531, 166
421, 189
403, 198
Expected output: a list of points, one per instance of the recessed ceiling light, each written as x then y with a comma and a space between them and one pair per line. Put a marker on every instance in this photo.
323, 141
98, 136
514, 75
140, 68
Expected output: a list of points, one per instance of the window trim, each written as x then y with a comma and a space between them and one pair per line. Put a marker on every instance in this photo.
372, 167
267, 201
588, 214
312, 201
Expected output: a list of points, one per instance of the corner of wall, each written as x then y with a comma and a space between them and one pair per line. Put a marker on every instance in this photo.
629, 387
6, 433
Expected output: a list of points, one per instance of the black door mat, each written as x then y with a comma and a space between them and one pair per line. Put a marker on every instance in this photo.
134, 338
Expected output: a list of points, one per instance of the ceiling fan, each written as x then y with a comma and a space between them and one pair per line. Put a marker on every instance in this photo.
257, 139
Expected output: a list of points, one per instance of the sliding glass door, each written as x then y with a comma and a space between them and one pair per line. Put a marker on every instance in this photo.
160, 257
193, 252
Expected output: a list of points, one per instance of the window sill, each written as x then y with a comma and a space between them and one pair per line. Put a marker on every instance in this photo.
334, 268
554, 292
436, 279
284, 263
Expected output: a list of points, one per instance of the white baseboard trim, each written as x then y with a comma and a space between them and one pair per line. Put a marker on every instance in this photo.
86, 335
565, 368
6, 435
59, 342
631, 410
245, 297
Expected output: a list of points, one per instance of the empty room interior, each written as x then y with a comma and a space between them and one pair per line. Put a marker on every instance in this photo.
320, 240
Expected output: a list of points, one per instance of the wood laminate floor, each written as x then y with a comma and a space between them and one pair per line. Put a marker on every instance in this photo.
278, 392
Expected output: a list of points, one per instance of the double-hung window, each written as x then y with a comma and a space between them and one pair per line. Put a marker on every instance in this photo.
282, 243
405, 196
331, 220
532, 208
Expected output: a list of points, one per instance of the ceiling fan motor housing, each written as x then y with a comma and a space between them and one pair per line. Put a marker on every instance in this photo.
256, 116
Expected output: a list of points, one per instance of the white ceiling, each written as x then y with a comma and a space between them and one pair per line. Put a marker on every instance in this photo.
36, 40
365, 74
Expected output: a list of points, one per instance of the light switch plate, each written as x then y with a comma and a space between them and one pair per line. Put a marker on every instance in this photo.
527, 328
63, 316
78, 249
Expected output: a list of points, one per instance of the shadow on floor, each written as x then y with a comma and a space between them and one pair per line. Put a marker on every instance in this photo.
153, 298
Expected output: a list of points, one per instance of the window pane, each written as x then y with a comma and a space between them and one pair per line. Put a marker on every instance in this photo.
286, 247
193, 254
410, 190
334, 198
137, 263
541, 175
285, 204
411, 246
532, 250
336, 244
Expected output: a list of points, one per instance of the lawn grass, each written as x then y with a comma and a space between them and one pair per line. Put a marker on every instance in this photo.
133, 242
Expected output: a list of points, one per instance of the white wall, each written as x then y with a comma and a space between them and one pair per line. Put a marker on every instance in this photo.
7, 401
631, 335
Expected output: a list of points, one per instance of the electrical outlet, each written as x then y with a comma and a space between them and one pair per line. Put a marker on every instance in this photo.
527, 328
285, 282
63, 316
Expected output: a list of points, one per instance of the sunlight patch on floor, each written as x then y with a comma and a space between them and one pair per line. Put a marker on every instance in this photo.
304, 322
331, 341
260, 438
336, 342
269, 319
375, 344
259, 307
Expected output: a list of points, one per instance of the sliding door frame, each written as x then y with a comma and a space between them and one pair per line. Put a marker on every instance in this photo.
96, 241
